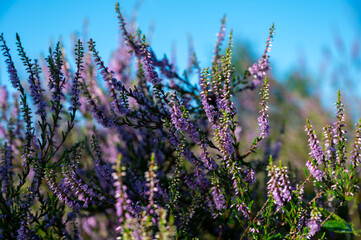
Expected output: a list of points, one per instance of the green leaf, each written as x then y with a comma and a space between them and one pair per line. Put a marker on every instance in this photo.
349, 198
338, 226
356, 232
305, 171
326, 213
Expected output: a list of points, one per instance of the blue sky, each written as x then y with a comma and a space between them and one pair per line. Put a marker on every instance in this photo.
303, 28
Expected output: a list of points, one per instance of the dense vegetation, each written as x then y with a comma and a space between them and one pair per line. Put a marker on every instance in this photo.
136, 150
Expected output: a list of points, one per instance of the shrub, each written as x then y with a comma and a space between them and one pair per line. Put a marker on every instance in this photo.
151, 155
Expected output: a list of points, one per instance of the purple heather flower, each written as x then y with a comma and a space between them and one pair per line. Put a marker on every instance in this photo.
99, 165
50, 222
124, 205
14, 78
226, 139
242, 207
316, 153
197, 180
339, 132
355, 152
75, 91
220, 37
210, 109
121, 196
269, 39
263, 120
181, 121
219, 121
75, 98
6, 167
149, 69
99, 115
259, 71
254, 230
315, 149
314, 224
218, 198
24, 233
34, 83
57, 80
88, 225
35, 93
224, 103
206, 159
71, 216
151, 182
279, 185
59, 192
329, 144
315, 172
118, 105
186, 152
84, 192
250, 176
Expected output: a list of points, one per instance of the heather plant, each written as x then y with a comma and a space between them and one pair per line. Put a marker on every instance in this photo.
152, 155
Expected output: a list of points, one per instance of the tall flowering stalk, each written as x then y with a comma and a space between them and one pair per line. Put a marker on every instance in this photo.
26, 111
314, 224
278, 185
263, 120
339, 132
34, 84
316, 153
180, 119
260, 69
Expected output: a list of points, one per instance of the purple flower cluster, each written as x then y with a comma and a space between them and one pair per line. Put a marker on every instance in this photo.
120, 106
218, 198
259, 70
34, 82
13, 74
316, 153
57, 80
149, 69
103, 171
220, 38
219, 121
263, 120
355, 152
76, 185
329, 144
209, 108
181, 121
278, 185
75, 91
62, 194
314, 224
339, 131
6, 168
122, 200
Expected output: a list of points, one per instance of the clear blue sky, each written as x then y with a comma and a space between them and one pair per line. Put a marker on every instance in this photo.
303, 28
